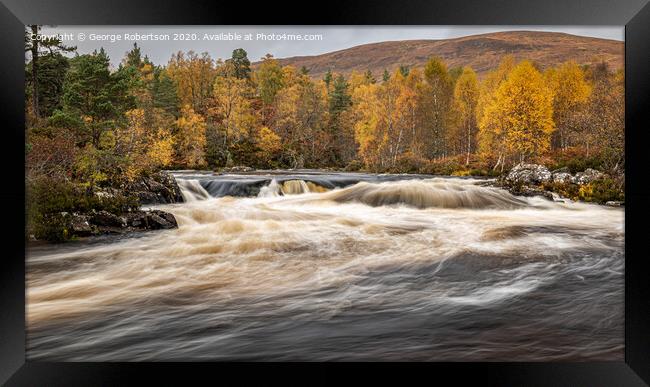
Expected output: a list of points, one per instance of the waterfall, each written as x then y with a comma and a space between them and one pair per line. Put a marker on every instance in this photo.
192, 190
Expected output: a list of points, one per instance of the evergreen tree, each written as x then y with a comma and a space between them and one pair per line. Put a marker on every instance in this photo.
51, 73
328, 78
34, 46
369, 77
240, 64
95, 95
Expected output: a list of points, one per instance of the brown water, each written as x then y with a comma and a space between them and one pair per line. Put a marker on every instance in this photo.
339, 267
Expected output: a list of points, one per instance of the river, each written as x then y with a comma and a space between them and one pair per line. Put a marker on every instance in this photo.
306, 265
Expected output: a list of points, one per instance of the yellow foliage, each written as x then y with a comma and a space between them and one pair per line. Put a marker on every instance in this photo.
190, 138
521, 112
193, 75
161, 151
231, 107
570, 94
268, 141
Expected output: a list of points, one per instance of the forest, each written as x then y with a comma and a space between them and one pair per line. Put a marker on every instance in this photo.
90, 125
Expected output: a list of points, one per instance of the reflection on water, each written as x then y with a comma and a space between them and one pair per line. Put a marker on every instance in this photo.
339, 267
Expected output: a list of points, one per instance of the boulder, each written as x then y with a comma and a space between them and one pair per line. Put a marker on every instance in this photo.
527, 191
169, 218
238, 168
587, 176
160, 220
80, 226
613, 203
560, 170
106, 219
562, 177
137, 219
528, 174
151, 220
157, 188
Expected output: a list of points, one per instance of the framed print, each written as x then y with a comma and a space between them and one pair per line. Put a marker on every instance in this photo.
454, 188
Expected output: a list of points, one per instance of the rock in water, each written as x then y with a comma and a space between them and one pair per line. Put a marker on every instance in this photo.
106, 219
161, 220
157, 188
528, 174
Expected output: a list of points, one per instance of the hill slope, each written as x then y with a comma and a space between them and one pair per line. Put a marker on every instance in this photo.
482, 52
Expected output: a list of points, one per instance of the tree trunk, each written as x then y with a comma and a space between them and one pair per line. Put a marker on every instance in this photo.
469, 143
34, 50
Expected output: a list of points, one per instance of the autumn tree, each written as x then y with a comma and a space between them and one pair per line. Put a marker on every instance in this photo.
269, 79
190, 138
386, 118
605, 116
490, 137
465, 101
194, 76
301, 116
570, 93
231, 113
435, 98
522, 110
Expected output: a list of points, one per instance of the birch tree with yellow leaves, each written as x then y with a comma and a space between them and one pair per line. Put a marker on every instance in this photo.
521, 112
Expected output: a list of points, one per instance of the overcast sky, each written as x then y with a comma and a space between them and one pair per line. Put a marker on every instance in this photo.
332, 38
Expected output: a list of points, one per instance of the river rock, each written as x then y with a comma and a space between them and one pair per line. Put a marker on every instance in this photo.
560, 170
161, 220
562, 177
80, 226
151, 220
238, 168
613, 203
528, 174
587, 176
157, 188
106, 219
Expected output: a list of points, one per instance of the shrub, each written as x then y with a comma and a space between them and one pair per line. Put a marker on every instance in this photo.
602, 191
49, 199
354, 166
575, 159
445, 166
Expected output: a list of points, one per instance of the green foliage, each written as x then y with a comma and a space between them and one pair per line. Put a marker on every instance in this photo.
354, 166
598, 191
94, 95
576, 160
328, 78
164, 93
270, 79
339, 98
601, 191
48, 198
50, 76
241, 64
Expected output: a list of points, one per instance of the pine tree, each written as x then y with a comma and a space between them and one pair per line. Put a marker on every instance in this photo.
35, 46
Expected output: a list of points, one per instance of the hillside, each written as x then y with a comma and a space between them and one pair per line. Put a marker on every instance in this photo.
482, 52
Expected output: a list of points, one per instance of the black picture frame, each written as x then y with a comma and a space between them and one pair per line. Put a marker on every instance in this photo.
633, 14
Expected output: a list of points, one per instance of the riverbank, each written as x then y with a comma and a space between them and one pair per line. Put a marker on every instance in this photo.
61, 211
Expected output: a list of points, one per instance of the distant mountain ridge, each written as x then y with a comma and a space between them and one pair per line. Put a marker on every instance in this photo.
482, 52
